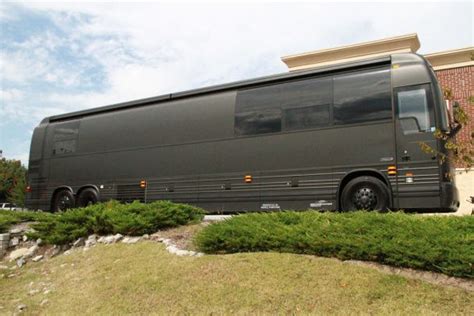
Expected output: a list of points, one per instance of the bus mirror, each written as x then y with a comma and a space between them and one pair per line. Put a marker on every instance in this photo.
456, 107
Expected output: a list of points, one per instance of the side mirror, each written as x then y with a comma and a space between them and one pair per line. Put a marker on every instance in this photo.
456, 107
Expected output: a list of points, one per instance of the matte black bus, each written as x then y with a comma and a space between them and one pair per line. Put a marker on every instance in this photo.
343, 137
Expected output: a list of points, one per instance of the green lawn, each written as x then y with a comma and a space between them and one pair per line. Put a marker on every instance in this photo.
145, 279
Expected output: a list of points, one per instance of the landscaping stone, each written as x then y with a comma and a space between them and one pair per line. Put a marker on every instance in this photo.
110, 239
79, 242
131, 240
18, 253
91, 241
20, 262
21, 307
4, 243
14, 241
37, 258
31, 251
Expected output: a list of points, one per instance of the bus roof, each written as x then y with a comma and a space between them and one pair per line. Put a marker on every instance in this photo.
218, 88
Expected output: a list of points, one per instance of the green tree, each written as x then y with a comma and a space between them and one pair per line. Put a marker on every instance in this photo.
13, 181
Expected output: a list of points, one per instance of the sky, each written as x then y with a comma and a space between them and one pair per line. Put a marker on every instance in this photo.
61, 57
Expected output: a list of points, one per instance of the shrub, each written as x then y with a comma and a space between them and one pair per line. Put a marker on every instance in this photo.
9, 218
112, 218
437, 243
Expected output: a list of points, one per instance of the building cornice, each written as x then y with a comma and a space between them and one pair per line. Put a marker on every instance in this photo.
455, 58
350, 53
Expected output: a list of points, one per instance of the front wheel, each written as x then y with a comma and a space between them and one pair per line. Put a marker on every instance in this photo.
63, 200
365, 193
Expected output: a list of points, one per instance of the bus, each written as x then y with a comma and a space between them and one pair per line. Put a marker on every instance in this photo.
343, 137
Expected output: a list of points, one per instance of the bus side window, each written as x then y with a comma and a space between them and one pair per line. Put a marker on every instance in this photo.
414, 111
362, 96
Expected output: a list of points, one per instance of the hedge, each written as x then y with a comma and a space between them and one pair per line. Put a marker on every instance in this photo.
436, 243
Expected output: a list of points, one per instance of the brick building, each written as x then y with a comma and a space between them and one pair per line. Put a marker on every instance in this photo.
454, 69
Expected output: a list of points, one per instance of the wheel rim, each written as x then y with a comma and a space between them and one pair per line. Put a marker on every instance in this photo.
365, 199
65, 202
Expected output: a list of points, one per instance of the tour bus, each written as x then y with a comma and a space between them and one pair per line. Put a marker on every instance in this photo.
344, 137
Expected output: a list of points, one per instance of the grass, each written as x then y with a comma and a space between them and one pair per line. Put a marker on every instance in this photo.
440, 244
145, 279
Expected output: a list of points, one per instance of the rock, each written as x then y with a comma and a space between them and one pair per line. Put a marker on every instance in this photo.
79, 243
14, 242
20, 262
33, 292
146, 237
21, 307
91, 241
67, 252
31, 251
131, 240
37, 258
15, 231
110, 239
55, 251
39, 241
25, 238
18, 253
44, 302
3, 267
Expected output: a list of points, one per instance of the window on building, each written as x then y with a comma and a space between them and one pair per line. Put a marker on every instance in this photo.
362, 97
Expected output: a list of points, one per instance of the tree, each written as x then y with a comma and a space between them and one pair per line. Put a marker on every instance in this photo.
13, 181
461, 152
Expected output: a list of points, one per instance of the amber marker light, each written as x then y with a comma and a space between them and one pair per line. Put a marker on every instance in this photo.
248, 179
392, 170
143, 184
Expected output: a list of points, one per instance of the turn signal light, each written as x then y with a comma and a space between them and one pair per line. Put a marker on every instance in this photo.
392, 170
143, 184
248, 179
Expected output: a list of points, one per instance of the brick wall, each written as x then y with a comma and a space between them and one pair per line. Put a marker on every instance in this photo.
461, 82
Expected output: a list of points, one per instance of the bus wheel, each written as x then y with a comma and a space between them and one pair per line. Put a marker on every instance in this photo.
87, 197
63, 200
364, 193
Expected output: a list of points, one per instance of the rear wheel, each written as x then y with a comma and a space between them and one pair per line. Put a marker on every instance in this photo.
63, 200
365, 193
87, 197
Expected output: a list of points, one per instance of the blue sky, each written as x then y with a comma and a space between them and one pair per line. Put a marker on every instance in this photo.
61, 57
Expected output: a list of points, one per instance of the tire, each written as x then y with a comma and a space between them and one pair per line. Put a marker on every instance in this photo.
87, 197
365, 193
63, 200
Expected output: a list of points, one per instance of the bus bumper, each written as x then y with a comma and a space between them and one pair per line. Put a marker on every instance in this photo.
449, 197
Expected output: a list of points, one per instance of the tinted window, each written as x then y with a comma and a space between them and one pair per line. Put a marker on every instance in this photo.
306, 117
413, 111
258, 111
362, 97
303, 104
306, 103
65, 136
